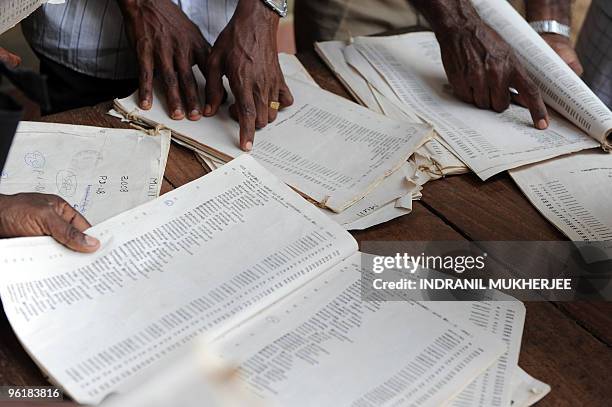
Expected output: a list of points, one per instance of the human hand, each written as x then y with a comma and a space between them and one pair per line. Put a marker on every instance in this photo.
10, 59
563, 47
480, 65
246, 53
32, 214
168, 42
482, 68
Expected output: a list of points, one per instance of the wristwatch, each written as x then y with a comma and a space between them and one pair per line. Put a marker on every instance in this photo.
551, 27
279, 6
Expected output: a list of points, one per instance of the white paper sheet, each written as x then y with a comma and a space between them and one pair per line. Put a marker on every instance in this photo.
574, 194
195, 261
299, 352
486, 141
100, 172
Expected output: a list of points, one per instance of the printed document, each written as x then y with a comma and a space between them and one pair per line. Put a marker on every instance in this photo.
229, 256
100, 172
487, 142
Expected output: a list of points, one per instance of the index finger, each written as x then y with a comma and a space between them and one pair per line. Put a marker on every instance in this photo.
531, 97
247, 115
144, 51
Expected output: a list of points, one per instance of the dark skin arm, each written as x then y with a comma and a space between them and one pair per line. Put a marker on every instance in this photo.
246, 52
561, 11
167, 44
480, 65
24, 215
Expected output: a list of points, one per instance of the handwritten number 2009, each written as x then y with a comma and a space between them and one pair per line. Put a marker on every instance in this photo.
124, 184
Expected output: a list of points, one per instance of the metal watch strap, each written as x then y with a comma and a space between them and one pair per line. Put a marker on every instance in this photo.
552, 27
279, 6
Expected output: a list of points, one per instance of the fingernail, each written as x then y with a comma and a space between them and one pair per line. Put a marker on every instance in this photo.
195, 114
248, 146
91, 241
178, 114
208, 110
145, 104
542, 124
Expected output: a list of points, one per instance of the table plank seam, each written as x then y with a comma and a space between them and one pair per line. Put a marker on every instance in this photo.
169, 182
446, 220
582, 325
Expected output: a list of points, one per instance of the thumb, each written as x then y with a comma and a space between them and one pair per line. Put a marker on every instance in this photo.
68, 235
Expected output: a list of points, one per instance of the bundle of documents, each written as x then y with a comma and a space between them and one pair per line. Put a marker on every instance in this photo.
99, 172
434, 158
404, 75
288, 314
12, 12
335, 153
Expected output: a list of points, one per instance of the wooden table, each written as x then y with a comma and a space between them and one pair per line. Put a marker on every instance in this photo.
568, 345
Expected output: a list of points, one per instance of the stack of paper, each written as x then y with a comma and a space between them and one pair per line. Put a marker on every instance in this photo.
289, 314
100, 172
434, 157
408, 68
335, 153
